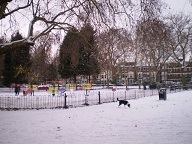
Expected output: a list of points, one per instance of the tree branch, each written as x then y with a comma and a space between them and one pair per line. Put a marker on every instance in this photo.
16, 44
3, 7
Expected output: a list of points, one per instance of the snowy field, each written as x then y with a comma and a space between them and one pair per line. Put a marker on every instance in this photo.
148, 121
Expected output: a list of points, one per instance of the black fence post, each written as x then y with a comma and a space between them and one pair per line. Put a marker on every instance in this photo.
99, 97
65, 104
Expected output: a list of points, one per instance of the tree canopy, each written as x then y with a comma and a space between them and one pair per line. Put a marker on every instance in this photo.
16, 64
62, 15
78, 53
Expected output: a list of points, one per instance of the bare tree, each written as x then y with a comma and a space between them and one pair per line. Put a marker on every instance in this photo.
181, 42
154, 36
150, 9
59, 15
113, 46
1, 68
5, 11
126, 48
42, 59
50, 15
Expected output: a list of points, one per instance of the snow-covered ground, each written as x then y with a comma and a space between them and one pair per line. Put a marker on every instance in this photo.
148, 121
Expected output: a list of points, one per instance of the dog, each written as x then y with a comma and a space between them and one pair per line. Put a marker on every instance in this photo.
124, 102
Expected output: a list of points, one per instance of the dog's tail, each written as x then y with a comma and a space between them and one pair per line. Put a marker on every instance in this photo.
117, 99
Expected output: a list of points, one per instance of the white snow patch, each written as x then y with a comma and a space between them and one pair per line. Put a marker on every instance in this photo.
148, 121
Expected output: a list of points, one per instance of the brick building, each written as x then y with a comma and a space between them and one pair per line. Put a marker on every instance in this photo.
174, 72
131, 74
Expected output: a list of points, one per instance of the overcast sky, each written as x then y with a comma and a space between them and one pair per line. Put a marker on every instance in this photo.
173, 7
180, 5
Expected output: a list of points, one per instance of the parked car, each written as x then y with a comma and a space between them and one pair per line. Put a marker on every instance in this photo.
43, 87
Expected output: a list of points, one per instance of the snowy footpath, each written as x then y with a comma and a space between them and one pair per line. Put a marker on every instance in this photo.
148, 121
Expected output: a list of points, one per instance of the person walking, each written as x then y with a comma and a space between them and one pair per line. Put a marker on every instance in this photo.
16, 89
32, 90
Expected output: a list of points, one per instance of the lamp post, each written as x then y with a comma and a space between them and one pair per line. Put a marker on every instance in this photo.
164, 77
182, 76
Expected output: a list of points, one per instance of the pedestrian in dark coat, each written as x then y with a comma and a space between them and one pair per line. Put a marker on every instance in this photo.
16, 89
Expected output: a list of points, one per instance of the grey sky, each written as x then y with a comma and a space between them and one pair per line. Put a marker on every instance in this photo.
180, 5
175, 6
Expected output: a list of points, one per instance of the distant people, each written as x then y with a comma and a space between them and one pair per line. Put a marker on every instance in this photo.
16, 90
63, 89
32, 90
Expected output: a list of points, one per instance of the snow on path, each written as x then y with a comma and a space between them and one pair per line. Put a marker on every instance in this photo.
148, 121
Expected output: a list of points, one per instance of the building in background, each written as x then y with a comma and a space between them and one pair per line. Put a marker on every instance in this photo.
173, 72
136, 75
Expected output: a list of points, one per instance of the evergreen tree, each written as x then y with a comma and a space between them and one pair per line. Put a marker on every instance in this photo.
88, 64
69, 55
8, 71
17, 63
78, 53
52, 71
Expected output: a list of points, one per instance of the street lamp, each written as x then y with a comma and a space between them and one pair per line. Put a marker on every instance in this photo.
182, 76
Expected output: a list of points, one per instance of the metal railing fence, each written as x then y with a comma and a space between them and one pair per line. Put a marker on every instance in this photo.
79, 98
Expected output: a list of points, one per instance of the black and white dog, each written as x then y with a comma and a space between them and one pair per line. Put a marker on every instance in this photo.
124, 102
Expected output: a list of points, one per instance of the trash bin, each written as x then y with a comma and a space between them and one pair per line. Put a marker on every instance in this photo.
162, 94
